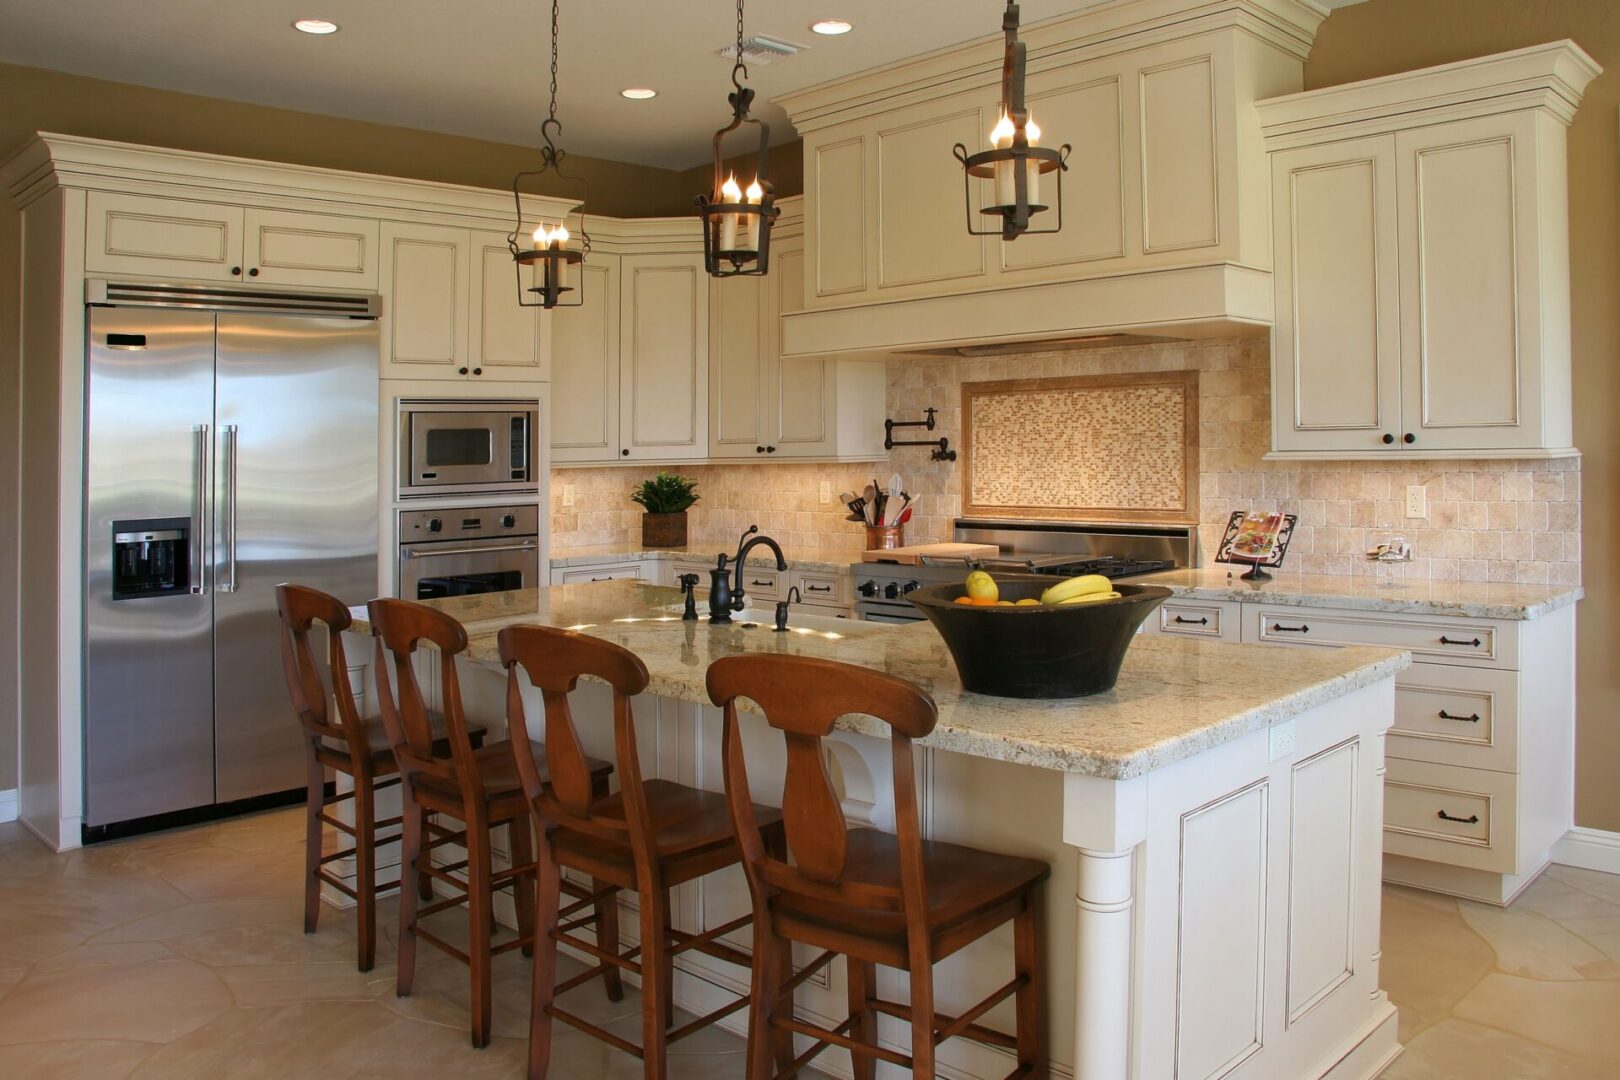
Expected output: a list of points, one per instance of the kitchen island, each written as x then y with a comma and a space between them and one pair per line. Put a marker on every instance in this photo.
1215, 819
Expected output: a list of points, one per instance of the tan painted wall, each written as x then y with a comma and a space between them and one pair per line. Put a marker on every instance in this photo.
1383, 37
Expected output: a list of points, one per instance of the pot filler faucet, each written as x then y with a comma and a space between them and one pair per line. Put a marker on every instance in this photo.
726, 596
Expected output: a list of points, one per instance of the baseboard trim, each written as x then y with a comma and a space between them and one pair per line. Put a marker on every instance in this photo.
8, 805
1589, 849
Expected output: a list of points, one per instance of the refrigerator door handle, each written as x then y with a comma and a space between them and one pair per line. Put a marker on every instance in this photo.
199, 509
230, 509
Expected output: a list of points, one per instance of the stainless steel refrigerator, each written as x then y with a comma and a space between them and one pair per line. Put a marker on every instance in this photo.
226, 451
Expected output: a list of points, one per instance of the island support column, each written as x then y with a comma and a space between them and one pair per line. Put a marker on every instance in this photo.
1106, 820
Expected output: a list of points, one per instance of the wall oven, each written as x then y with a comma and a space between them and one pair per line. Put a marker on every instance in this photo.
467, 447
461, 552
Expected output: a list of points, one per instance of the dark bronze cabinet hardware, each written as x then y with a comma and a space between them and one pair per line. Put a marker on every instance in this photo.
1388, 439
624, 453
1465, 719
1280, 628
461, 371
818, 588
760, 584
1193, 622
1409, 438
478, 371
770, 449
236, 271
1449, 641
759, 449
253, 272
1471, 819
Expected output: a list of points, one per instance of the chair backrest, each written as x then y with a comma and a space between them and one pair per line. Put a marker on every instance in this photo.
301, 608
399, 627
553, 660
802, 697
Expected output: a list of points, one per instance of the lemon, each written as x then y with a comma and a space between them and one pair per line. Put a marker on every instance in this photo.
981, 586
1028, 601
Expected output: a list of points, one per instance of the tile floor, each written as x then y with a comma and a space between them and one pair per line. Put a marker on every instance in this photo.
181, 955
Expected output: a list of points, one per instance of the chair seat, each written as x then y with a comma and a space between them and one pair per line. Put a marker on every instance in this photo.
688, 823
961, 883
497, 763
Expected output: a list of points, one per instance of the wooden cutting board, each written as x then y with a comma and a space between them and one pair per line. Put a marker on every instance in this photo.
913, 554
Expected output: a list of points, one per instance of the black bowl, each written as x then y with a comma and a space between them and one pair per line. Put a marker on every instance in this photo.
1063, 651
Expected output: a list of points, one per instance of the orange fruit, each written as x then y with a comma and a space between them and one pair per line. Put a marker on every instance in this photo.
964, 599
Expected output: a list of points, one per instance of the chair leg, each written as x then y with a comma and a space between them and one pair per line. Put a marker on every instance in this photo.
365, 869
1028, 1002
547, 887
655, 984
765, 989
666, 970
480, 915
313, 803
922, 1014
781, 1038
519, 834
607, 938
424, 883
410, 852
862, 979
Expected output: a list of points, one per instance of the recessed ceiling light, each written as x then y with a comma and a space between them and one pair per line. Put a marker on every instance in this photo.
316, 26
638, 93
832, 27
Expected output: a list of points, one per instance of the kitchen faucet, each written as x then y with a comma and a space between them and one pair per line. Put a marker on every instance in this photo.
726, 596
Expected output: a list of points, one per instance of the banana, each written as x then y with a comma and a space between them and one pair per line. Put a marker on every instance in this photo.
1089, 598
1083, 585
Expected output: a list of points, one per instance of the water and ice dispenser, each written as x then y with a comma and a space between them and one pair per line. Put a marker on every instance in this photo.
151, 557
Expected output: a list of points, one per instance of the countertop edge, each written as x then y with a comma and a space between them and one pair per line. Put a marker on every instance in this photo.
1388, 604
563, 558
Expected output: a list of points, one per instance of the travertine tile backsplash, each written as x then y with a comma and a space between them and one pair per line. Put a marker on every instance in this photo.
1488, 520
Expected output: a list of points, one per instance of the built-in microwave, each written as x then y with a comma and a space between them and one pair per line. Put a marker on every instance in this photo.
467, 447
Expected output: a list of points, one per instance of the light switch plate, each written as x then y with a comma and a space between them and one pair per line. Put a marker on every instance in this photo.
1282, 740
826, 492
1417, 501
568, 494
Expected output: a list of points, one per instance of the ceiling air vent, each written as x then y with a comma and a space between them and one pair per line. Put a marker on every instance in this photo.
762, 50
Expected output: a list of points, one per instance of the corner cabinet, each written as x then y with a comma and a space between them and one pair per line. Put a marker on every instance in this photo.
1421, 254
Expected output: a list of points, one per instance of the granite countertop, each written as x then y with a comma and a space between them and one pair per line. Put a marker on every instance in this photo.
823, 560
1474, 600
1175, 697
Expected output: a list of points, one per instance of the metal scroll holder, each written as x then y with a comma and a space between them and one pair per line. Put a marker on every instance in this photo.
941, 445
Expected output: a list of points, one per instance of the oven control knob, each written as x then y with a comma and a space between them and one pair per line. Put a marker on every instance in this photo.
508, 521
910, 586
891, 591
435, 525
867, 588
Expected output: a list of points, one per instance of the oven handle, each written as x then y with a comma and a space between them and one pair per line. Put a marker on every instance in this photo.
431, 552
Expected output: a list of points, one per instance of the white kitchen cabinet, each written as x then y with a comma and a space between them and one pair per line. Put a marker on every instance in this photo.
450, 308
286, 247
611, 570
167, 238
585, 368
741, 366
1421, 258
663, 357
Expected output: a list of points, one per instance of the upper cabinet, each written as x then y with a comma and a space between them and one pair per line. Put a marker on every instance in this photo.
1164, 211
1422, 261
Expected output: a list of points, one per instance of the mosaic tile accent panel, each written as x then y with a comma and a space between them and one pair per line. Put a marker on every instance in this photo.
1116, 446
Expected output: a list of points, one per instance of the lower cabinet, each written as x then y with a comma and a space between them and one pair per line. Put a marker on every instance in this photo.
618, 570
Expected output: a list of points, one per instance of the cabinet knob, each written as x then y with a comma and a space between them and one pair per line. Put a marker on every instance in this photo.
770, 449
462, 371
759, 449
478, 371
253, 272
1409, 438
1388, 439
624, 453
236, 271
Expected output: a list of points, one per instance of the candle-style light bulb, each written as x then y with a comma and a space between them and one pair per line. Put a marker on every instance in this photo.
729, 193
542, 236
1032, 170
1001, 137
755, 195
559, 236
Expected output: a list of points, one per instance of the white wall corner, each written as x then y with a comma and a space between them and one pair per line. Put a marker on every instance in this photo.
1589, 849
8, 805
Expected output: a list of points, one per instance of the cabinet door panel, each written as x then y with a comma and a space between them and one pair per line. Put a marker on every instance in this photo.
839, 217
738, 362
664, 343
132, 234
424, 277
802, 400
1180, 201
920, 195
288, 248
1467, 206
1337, 344
505, 338
585, 368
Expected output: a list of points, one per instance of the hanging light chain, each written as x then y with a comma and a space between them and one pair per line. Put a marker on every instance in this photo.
554, 6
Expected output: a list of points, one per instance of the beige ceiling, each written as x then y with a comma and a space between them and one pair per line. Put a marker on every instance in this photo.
479, 67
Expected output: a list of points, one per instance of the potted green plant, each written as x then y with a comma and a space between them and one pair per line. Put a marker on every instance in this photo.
665, 498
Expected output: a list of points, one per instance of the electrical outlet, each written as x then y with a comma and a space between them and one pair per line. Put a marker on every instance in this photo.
826, 492
1417, 501
568, 494
1282, 740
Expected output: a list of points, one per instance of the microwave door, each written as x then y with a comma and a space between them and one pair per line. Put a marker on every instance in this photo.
453, 449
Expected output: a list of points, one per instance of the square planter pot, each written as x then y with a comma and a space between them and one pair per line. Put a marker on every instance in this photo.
664, 530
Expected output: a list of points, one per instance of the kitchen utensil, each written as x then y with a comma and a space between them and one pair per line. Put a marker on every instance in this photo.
905, 516
892, 504
914, 554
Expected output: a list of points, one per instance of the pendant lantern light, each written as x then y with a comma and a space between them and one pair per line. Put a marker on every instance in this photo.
737, 221
1014, 164
548, 250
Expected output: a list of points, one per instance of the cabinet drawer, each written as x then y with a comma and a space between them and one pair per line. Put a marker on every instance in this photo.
1452, 815
762, 584
820, 588
1454, 715
574, 575
1212, 619
132, 234
1472, 642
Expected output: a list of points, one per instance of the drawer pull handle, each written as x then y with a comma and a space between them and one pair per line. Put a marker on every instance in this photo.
1465, 719
1471, 819
608, 578
762, 584
819, 588
1281, 629
1474, 644
1193, 622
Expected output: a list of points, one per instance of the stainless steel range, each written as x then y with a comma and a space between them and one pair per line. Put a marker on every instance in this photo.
1041, 547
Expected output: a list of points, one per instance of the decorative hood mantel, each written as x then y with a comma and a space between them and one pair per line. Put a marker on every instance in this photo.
1166, 215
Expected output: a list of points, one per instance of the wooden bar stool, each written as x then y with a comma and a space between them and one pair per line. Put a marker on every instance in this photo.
876, 898
479, 787
347, 744
650, 837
